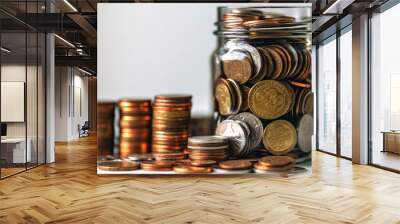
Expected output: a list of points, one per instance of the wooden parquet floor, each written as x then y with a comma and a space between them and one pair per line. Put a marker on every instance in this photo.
69, 191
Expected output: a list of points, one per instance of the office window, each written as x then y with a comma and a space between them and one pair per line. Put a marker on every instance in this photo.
346, 93
327, 96
385, 89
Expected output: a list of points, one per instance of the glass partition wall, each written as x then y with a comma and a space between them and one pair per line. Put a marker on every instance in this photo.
334, 94
385, 90
22, 62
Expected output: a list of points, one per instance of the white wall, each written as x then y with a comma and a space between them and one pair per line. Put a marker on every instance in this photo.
69, 84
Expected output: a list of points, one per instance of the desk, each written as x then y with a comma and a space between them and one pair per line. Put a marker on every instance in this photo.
391, 141
13, 150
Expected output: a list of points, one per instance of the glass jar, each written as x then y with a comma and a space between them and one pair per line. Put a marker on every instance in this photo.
262, 71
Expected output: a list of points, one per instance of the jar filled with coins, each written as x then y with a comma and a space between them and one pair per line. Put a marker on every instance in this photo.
262, 89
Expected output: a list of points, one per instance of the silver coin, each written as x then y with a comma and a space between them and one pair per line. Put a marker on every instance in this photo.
223, 171
236, 134
208, 147
239, 99
305, 132
255, 55
255, 126
246, 128
140, 157
208, 139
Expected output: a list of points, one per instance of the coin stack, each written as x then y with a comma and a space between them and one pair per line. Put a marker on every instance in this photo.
171, 119
135, 126
105, 128
206, 149
263, 69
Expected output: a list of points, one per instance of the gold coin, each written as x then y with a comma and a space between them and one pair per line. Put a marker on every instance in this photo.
280, 137
223, 97
270, 99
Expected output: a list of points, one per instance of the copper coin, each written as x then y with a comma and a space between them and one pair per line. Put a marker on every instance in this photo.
168, 156
245, 98
157, 164
258, 166
203, 162
192, 169
278, 63
172, 106
134, 102
300, 84
105, 107
135, 118
274, 161
168, 147
173, 98
237, 65
118, 166
235, 165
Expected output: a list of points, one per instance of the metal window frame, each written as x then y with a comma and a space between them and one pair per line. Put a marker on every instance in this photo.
44, 74
381, 9
336, 38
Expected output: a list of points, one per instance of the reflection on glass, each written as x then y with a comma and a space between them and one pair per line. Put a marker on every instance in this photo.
346, 94
14, 153
327, 96
385, 84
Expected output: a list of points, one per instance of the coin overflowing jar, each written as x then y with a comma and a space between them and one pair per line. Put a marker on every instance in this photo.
171, 120
263, 79
105, 128
135, 126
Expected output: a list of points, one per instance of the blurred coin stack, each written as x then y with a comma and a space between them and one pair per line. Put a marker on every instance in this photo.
207, 148
171, 119
263, 79
135, 126
105, 128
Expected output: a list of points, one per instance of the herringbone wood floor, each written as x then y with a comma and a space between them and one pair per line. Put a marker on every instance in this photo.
69, 191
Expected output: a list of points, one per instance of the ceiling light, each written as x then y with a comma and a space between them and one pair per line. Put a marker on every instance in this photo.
64, 40
84, 71
5, 50
337, 7
70, 5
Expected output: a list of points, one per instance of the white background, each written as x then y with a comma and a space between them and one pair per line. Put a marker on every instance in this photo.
146, 49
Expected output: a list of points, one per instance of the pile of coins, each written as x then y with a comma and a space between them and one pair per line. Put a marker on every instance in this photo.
135, 126
204, 150
245, 132
171, 120
244, 63
263, 83
253, 23
105, 128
